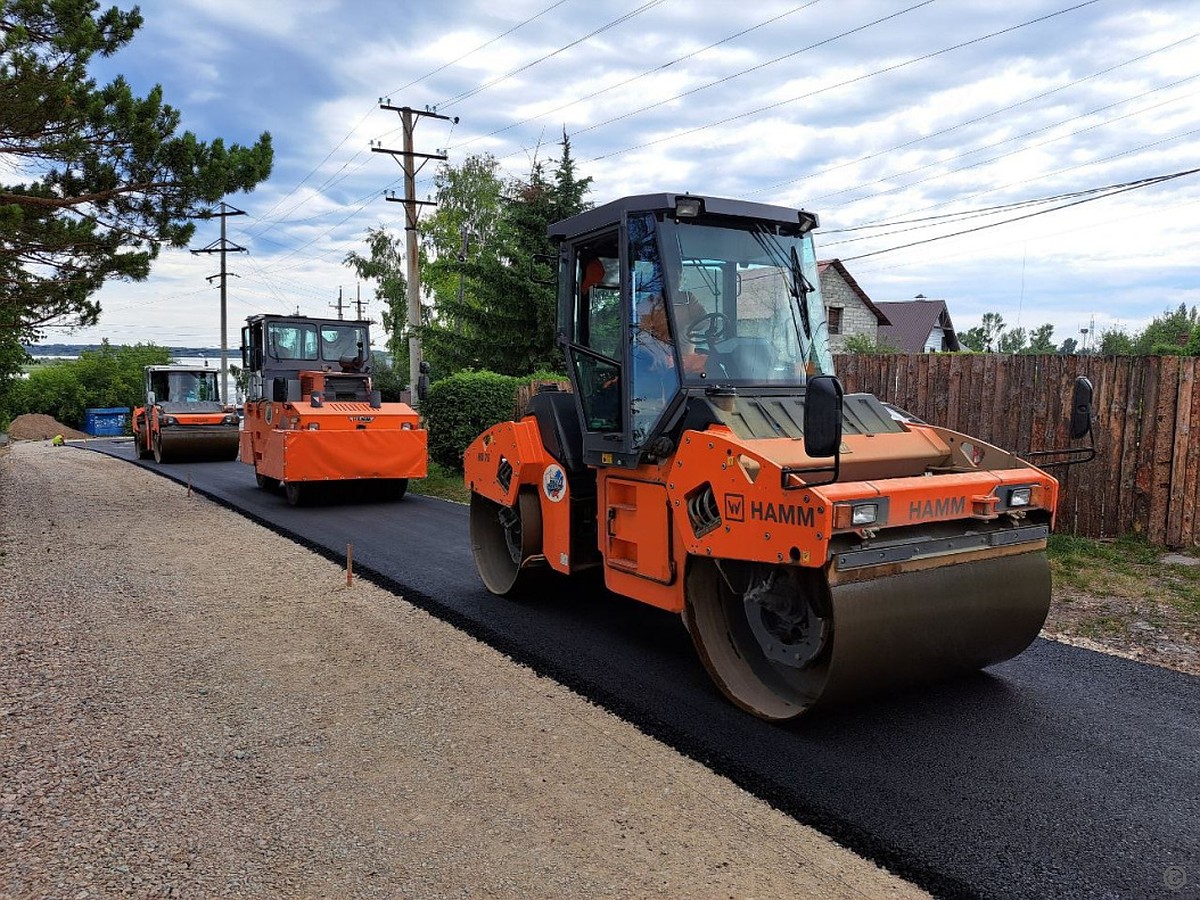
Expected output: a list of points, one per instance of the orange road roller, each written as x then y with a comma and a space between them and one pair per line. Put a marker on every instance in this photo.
818, 546
313, 422
183, 417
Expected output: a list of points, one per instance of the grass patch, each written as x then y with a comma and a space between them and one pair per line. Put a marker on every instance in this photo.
441, 482
1126, 568
1104, 627
1101, 566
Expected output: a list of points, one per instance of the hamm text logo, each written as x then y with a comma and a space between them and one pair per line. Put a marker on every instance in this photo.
942, 508
783, 513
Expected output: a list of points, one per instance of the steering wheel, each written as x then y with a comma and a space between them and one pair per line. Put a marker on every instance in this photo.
711, 328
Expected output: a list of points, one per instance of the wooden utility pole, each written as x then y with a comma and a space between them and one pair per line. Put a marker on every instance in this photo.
408, 158
223, 247
339, 306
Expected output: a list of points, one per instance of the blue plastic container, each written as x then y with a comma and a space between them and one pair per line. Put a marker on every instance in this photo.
108, 422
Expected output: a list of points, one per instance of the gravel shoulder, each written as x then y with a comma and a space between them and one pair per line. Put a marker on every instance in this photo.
190, 705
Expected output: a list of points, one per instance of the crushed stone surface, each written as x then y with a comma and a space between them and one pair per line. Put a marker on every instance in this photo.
192, 706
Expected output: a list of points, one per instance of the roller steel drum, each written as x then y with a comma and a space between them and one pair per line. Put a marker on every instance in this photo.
880, 633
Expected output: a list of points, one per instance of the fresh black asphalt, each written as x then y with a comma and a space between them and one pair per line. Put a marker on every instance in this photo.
1061, 773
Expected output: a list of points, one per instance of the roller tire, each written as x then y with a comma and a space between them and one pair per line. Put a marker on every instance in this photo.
728, 647
140, 441
296, 492
394, 489
159, 456
505, 542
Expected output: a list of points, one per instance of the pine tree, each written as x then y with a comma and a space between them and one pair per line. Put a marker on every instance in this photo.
110, 181
490, 312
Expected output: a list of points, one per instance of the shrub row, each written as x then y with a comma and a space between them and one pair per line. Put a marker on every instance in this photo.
462, 406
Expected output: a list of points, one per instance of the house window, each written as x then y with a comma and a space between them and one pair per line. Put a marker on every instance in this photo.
834, 315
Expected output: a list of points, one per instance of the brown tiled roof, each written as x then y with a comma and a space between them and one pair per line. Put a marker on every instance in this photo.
836, 264
911, 323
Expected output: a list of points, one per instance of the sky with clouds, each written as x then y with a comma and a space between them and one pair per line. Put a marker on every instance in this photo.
913, 128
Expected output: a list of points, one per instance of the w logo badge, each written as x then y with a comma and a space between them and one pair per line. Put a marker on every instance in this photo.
735, 508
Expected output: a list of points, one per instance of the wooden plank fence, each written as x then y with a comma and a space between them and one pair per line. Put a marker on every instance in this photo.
1145, 478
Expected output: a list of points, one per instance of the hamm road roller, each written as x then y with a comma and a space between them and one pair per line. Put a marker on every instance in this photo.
183, 417
817, 547
313, 423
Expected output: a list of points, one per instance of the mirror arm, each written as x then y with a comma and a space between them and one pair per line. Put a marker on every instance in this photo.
788, 471
1071, 455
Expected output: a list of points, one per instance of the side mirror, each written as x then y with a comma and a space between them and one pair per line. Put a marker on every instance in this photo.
150, 398
279, 390
823, 416
1081, 408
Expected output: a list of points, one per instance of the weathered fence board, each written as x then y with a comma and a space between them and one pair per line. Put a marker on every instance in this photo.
1146, 475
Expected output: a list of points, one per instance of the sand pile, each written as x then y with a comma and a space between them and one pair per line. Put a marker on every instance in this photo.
40, 427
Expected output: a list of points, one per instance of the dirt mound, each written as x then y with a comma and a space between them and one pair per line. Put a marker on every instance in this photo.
40, 427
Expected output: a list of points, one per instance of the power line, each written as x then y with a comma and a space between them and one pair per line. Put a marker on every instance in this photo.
620, 20
1024, 149
366, 115
841, 84
653, 71
484, 45
760, 66
1098, 194
972, 121
1046, 175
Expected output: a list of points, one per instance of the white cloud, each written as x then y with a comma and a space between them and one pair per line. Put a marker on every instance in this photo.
885, 147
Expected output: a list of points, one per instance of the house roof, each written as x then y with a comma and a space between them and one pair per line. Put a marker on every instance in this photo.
836, 265
912, 321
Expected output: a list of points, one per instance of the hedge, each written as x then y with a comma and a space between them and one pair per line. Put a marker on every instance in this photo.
462, 406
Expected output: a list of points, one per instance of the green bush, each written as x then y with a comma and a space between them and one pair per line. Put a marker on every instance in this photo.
104, 378
388, 380
461, 407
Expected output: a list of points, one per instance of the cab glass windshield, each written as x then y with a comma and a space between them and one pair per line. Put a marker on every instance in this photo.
747, 304
343, 342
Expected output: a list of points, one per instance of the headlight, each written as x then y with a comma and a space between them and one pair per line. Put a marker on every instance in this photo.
864, 514
860, 514
169, 420
1020, 496
229, 420
314, 426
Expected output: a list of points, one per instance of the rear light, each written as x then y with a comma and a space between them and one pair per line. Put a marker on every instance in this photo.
314, 426
406, 426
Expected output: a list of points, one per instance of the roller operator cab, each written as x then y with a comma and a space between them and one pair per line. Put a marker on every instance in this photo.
183, 416
817, 546
313, 421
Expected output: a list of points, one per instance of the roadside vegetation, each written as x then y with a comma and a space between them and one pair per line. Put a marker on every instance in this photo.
1126, 567
1174, 333
441, 482
1129, 595
98, 379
